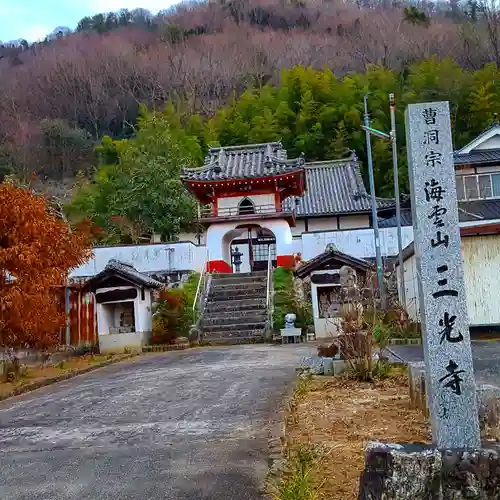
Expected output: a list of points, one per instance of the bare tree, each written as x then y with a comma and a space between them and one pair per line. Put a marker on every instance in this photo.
490, 11
96, 81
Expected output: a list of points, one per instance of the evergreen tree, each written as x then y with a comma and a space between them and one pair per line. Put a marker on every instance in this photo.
142, 192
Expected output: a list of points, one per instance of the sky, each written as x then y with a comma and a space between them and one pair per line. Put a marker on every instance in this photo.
34, 19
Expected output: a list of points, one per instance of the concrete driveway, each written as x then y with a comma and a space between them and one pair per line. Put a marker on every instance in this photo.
485, 354
179, 425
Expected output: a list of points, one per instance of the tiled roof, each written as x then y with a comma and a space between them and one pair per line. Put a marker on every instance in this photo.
468, 211
479, 210
478, 156
243, 162
489, 132
391, 221
128, 272
331, 254
334, 187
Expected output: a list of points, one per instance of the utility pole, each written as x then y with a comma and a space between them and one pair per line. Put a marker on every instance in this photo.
380, 273
392, 105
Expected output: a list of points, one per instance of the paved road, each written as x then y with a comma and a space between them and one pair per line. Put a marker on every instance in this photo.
486, 356
180, 425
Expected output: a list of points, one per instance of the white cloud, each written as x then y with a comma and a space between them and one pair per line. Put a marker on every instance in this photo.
35, 33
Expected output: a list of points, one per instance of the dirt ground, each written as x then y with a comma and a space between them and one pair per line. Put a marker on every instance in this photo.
338, 416
36, 373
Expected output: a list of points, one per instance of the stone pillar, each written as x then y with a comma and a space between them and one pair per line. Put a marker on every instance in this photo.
450, 384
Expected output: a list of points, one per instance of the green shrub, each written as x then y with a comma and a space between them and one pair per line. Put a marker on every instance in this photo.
189, 292
303, 384
286, 301
362, 370
394, 323
381, 369
299, 485
174, 312
381, 333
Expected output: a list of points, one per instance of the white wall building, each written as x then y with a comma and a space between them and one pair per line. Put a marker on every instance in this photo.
124, 299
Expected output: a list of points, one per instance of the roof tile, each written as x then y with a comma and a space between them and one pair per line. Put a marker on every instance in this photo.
243, 162
334, 187
468, 211
127, 271
478, 156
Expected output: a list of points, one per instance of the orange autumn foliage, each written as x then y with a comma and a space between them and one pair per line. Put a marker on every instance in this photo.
37, 250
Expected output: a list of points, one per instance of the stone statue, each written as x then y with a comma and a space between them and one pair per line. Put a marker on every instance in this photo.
347, 276
290, 333
290, 320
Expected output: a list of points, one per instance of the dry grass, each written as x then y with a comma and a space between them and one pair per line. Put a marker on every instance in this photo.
337, 417
36, 373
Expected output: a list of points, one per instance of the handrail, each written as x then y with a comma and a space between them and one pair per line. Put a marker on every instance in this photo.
269, 282
198, 288
209, 212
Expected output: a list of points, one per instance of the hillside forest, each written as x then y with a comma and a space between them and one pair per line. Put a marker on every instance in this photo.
103, 118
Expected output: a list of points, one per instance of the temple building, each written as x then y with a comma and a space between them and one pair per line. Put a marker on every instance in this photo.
258, 208
243, 193
257, 205
255, 201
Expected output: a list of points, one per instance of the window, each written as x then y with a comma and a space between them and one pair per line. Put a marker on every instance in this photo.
246, 207
261, 251
478, 187
460, 189
495, 184
484, 185
470, 187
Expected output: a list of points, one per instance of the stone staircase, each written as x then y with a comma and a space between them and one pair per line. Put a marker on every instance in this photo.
235, 311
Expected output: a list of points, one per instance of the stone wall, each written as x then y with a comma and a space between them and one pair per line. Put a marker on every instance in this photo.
34, 357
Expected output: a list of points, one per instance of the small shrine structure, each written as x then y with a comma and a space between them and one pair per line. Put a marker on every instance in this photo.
328, 286
124, 299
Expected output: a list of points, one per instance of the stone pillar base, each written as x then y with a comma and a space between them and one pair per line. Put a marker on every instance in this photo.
421, 472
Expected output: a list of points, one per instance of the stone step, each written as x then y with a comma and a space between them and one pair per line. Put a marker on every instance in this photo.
222, 329
235, 340
238, 279
234, 336
234, 319
239, 287
255, 274
228, 306
225, 295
